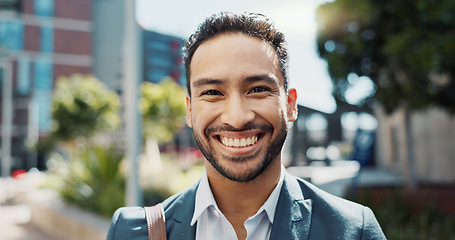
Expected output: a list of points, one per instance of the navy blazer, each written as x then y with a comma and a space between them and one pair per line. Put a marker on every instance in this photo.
303, 212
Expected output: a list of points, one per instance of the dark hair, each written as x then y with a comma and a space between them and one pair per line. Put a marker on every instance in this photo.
252, 24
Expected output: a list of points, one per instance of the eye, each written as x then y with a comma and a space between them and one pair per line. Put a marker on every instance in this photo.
211, 92
259, 89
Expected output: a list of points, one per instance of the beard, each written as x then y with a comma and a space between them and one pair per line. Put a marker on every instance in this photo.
271, 152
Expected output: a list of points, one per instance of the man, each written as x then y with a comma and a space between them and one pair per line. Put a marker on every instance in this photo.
238, 106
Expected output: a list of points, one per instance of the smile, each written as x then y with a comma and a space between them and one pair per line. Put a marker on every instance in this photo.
238, 142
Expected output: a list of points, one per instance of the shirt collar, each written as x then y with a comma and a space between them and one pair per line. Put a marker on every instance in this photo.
204, 199
270, 205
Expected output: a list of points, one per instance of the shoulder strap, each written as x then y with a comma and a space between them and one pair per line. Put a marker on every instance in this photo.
155, 222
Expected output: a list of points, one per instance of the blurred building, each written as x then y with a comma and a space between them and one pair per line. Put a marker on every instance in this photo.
433, 138
42, 40
163, 57
161, 53
319, 137
108, 30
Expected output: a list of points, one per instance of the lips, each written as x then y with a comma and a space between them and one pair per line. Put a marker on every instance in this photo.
238, 142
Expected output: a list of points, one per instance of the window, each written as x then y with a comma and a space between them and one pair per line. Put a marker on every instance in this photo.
44, 8
23, 80
182, 80
156, 75
159, 61
43, 74
47, 39
13, 5
317, 126
12, 35
1, 79
159, 45
43, 99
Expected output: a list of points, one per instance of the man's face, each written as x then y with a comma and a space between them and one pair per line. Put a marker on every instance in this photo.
238, 107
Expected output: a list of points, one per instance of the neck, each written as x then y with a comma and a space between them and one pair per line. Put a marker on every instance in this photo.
240, 200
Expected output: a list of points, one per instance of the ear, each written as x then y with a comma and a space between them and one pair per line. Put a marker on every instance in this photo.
188, 111
292, 105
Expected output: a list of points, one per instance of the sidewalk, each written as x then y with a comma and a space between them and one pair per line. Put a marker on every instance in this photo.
15, 219
337, 178
15, 224
30, 212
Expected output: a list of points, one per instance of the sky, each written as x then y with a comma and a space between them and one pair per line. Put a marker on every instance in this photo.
295, 18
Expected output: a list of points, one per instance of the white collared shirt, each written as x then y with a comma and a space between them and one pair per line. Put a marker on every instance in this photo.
212, 224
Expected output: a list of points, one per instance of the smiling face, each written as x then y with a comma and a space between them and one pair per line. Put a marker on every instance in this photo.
238, 107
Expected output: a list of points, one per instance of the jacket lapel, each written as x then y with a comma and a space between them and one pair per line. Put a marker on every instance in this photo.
178, 216
293, 214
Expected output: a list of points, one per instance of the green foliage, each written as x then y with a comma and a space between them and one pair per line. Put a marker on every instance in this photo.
400, 219
91, 175
91, 178
83, 105
405, 47
156, 184
163, 109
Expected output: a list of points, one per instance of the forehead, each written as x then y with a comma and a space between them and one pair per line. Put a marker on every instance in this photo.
232, 55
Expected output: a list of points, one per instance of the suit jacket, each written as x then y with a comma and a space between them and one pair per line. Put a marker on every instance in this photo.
303, 212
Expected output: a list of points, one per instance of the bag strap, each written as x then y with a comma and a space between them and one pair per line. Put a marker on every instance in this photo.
155, 222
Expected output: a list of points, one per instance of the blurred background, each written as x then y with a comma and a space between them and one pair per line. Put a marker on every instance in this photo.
92, 109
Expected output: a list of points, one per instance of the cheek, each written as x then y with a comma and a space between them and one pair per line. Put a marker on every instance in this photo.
202, 115
284, 109
272, 111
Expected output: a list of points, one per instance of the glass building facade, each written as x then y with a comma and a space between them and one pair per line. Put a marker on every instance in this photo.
30, 44
163, 57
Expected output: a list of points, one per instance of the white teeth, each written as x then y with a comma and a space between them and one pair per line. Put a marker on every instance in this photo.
238, 142
242, 142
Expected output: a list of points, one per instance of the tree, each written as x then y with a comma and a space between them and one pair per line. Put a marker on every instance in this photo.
163, 109
83, 105
163, 114
405, 47
89, 175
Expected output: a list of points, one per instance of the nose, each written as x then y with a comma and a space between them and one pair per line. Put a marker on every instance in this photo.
237, 112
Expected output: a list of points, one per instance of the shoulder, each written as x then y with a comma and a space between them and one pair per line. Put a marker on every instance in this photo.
325, 201
321, 200
131, 223
128, 223
345, 217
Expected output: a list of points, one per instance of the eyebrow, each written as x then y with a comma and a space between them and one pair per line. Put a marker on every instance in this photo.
249, 79
207, 81
264, 77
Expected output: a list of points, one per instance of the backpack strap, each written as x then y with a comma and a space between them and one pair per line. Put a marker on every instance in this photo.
155, 222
